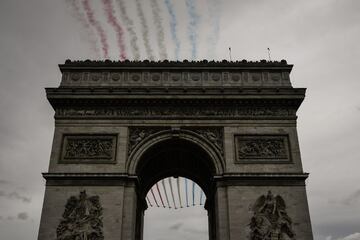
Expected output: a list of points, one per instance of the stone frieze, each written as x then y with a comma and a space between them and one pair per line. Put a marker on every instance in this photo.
88, 149
177, 78
166, 112
262, 148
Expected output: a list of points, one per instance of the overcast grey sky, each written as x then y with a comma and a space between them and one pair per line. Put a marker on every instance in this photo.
320, 37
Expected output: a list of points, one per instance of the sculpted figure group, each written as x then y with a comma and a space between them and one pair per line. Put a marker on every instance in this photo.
270, 220
82, 219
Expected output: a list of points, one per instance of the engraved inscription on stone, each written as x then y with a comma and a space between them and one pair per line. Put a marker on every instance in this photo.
88, 149
82, 219
270, 220
262, 148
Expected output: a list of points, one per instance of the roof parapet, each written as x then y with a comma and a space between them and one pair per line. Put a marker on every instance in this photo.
175, 73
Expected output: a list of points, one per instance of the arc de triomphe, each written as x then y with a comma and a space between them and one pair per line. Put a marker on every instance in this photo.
122, 126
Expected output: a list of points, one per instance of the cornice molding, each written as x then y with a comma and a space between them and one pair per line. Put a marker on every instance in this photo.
261, 179
89, 179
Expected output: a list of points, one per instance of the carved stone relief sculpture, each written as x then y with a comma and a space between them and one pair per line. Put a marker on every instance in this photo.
215, 135
82, 219
270, 220
166, 112
138, 134
262, 148
88, 148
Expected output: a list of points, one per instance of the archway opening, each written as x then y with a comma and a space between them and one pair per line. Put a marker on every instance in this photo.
180, 160
176, 211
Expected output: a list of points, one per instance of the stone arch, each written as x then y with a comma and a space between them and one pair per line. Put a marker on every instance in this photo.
215, 154
179, 152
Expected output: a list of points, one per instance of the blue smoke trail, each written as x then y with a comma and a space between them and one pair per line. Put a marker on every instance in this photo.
193, 25
214, 8
173, 27
186, 191
193, 192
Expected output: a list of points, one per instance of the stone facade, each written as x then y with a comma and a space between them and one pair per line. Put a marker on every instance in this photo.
117, 124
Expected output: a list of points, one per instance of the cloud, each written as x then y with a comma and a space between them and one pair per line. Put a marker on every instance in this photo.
195, 231
15, 195
354, 236
176, 226
352, 199
6, 182
22, 216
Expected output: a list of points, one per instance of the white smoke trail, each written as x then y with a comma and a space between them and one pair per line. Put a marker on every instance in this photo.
214, 8
173, 27
144, 30
192, 27
130, 28
159, 29
81, 18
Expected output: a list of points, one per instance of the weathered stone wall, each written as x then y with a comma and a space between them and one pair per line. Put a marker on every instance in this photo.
112, 199
243, 198
260, 140
86, 137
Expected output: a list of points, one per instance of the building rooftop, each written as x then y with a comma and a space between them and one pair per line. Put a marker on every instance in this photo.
185, 73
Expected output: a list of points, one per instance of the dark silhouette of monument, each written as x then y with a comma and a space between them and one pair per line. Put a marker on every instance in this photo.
122, 126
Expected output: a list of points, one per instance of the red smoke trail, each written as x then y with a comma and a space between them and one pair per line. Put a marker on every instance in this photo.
97, 26
117, 27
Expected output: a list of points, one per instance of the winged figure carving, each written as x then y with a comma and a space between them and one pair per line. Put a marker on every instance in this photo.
82, 219
270, 220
